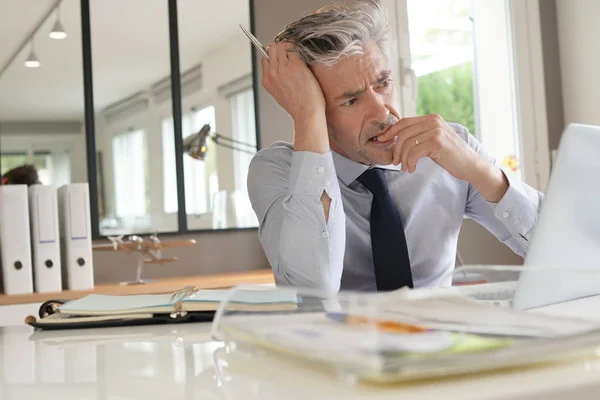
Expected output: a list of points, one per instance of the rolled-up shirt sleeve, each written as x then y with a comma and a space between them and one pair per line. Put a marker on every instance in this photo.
304, 248
513, 218
518, 209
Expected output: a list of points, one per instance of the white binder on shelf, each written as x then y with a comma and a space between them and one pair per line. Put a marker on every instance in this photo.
15, 240
76, 236
45, 239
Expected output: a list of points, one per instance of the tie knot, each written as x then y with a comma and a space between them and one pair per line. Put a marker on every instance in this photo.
374, 180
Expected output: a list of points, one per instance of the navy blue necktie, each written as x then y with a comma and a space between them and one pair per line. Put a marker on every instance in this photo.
390, 253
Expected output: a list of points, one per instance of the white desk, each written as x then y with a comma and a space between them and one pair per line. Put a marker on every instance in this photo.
182, 362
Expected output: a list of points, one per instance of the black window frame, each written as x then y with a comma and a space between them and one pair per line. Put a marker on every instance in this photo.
90, 128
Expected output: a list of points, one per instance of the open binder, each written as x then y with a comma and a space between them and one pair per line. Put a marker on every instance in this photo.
414, 334
189, 304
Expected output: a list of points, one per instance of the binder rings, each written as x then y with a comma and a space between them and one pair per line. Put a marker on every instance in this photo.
15, 242
76, 241
45, 240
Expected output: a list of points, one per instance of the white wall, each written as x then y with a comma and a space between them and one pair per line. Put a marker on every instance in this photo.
579, 40
270, 18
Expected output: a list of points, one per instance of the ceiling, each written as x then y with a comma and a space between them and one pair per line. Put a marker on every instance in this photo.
130, 51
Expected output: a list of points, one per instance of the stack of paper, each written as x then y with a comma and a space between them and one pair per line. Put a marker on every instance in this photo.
408, 335
462, 314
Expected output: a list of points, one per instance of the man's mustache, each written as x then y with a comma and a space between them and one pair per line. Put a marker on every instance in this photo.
380, 127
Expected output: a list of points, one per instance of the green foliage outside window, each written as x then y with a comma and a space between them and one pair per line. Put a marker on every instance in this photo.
449, 92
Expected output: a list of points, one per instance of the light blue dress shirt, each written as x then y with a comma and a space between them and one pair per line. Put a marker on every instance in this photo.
307, 251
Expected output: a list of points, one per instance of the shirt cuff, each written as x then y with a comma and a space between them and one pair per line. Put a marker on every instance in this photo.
312, 173
518, 208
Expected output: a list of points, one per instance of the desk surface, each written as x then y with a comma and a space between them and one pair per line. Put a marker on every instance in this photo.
183, 362
167, 285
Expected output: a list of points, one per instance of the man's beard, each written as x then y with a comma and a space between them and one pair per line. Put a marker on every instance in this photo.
361, 152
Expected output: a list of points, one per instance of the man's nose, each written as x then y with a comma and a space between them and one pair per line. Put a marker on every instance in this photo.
378, 112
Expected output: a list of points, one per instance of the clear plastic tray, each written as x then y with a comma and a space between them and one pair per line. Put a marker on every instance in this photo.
414, 334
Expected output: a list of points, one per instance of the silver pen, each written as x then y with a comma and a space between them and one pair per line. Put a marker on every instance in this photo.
255, 42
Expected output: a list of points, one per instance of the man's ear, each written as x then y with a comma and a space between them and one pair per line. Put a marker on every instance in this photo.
4, 180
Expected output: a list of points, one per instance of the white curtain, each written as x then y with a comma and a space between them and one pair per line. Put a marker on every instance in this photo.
244, 130
129, 174
169, 173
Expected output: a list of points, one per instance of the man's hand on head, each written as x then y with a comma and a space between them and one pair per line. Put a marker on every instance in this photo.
431, 136
292, 84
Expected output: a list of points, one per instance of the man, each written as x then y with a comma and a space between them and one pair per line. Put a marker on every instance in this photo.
23, 175
364, 199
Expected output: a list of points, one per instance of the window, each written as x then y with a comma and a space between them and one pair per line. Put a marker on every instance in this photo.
462, 66
129, 161
441, 42
9, 161
54, 168
200, 177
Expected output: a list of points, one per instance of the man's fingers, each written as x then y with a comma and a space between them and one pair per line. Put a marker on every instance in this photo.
405, 135
421, 140
265, 69
272, 50
282, 52
286, 46
415, 155
293, 55
404, 143
403, 123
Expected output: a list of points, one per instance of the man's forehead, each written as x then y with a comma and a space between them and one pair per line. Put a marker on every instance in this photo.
352, 70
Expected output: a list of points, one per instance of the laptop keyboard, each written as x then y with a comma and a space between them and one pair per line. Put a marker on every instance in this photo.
494, 295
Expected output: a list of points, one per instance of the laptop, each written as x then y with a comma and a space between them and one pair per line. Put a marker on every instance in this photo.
566, 240
567, 233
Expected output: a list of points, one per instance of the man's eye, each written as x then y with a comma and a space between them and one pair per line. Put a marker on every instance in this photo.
385, 83
350, 102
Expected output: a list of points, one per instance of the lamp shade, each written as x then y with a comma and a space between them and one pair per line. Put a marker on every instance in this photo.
32, 60
195, 145
57, 32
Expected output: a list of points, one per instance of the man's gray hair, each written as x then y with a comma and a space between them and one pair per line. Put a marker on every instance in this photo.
337, 31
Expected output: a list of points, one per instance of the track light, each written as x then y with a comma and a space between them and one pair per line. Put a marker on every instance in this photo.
57, 32
32, 61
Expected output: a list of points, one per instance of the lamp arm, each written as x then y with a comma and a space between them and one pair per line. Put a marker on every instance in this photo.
229, 146
218, 136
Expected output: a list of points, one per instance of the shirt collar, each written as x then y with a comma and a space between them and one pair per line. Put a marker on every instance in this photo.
348, 170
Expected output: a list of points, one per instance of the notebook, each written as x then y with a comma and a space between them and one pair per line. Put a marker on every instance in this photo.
186, 305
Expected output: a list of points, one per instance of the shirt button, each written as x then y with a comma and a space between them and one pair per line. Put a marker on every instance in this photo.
505, 214
324, 234
327, 182
320, 170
